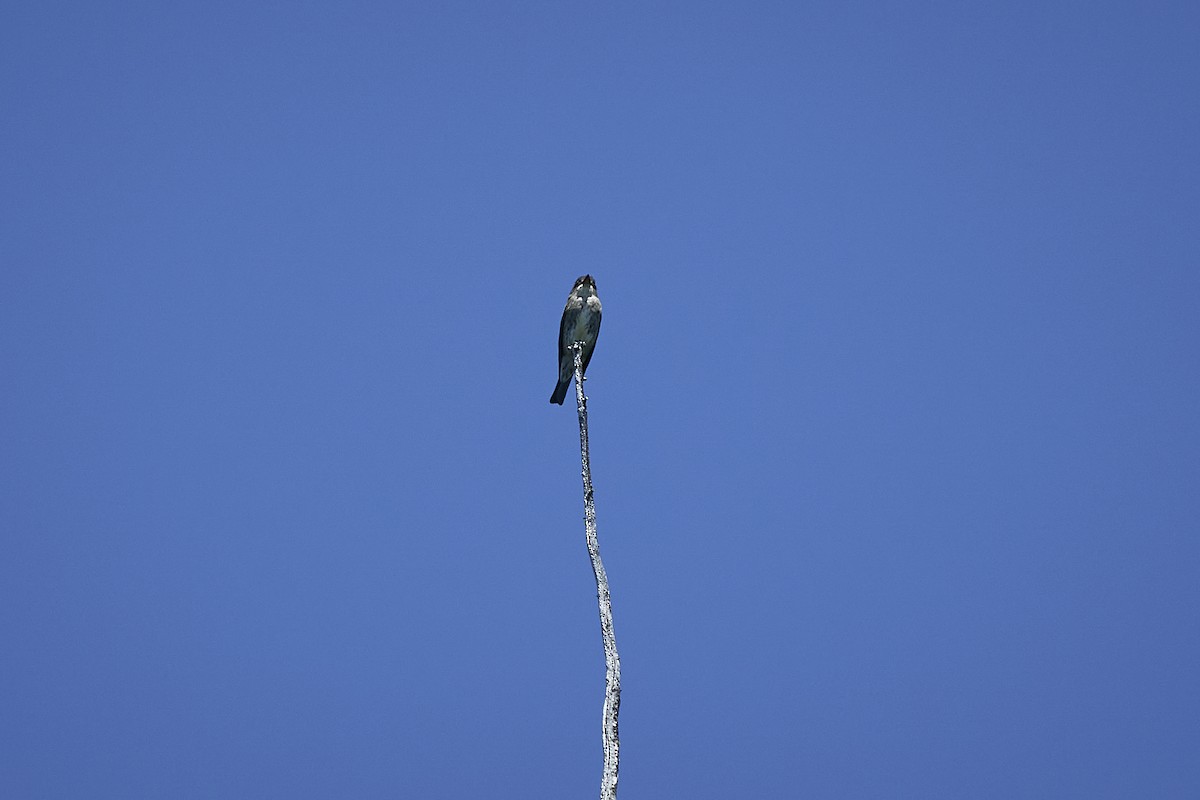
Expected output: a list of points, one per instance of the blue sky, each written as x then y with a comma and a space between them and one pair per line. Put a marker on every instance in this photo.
894, 409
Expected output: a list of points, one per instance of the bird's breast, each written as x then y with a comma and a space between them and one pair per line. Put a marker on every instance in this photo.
585, 319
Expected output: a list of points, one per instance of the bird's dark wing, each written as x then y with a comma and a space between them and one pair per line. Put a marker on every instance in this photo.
562, 332
595, 334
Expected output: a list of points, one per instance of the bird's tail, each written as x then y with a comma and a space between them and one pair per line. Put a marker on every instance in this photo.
560, 392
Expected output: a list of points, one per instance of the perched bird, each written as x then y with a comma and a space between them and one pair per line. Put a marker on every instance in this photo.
580, 323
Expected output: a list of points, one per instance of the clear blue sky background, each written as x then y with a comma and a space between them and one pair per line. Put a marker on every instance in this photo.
894, 410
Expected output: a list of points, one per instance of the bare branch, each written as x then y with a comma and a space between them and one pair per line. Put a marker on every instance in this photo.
612, 662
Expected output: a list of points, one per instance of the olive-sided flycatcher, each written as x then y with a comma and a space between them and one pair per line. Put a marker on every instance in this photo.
580, 323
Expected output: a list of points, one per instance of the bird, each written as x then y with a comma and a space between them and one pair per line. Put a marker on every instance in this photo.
580, 323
